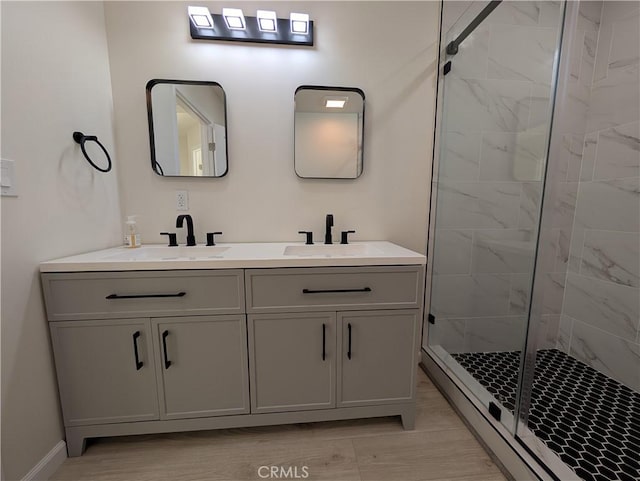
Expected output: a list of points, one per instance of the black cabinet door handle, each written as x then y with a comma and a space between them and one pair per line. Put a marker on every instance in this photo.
349, 347
139, 363
167, 363
141, 296
324, 340
333, 291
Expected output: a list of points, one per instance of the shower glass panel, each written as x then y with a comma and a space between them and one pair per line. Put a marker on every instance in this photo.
580, 402
496, 105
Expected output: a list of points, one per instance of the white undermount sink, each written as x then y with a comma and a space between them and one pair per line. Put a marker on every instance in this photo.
150, 253
333, 250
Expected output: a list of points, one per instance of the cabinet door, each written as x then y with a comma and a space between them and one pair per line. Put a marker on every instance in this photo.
378, 352
292, 361
202, 366
100, 377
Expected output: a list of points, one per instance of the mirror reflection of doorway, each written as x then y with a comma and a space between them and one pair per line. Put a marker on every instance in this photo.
184, 117
220, 150
196, 160
195, 139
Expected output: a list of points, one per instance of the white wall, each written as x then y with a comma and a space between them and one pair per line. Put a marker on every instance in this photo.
388, 49
55, 79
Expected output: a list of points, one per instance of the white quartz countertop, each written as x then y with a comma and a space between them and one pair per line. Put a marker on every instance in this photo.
236, 256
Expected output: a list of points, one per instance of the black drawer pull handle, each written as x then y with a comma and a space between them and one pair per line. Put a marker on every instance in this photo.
324, 339
142, 296
334, 291
167, 363
349, 348
139, 363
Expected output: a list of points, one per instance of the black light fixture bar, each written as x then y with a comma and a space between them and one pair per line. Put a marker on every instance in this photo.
252, 33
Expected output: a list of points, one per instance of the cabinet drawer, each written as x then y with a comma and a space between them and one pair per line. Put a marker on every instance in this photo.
314, 288
99, 295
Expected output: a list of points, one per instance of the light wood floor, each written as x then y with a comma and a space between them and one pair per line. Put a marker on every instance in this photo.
441, 448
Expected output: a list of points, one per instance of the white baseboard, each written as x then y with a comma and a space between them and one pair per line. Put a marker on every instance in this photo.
49, 464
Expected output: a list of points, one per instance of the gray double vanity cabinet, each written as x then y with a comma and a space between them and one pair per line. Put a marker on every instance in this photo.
149, 343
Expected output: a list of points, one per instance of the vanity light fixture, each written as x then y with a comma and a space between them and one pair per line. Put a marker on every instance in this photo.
265, 27
234, 18
299, 23
201, 17
267, 21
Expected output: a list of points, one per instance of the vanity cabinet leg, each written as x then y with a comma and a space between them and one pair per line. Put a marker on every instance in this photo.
409, 418
75, 444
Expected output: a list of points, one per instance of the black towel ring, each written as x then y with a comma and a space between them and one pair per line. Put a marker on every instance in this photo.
80, 138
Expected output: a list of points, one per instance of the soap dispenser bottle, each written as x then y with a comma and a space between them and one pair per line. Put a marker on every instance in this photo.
131, 235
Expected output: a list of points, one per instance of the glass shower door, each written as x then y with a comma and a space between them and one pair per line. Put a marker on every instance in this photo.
495, 104
579, 408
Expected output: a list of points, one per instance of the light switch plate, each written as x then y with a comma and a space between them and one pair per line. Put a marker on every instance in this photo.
8, 178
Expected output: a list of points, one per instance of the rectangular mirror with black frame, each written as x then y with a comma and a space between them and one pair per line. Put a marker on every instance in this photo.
328, 132
187, 128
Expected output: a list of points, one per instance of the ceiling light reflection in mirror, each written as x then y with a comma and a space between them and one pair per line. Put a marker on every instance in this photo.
328, 132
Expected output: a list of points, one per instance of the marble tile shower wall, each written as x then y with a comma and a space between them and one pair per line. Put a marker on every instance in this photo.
489, 183
570, 125
600, 316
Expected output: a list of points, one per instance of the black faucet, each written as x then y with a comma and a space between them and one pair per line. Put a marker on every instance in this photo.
191, 239
327, 233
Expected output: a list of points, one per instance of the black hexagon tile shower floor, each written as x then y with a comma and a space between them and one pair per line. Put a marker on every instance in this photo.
589, 420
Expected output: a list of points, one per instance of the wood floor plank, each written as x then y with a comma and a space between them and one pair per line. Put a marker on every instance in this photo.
420, 456
197, 460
